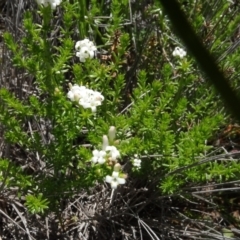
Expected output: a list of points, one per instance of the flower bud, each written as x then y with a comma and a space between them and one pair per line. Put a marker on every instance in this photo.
109, 163
117, 167
124, 175
105, 142
70, 86
98, 172
112, 133
56, 91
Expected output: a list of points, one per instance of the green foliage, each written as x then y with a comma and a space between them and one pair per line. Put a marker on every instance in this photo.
13, 176
36, 204
165, 111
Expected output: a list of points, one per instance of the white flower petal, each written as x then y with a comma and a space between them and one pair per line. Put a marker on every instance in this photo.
102, 153
94, 109
91, 54
82, 59
115, 174
115, 154
53, 3
78, 54
121, 180
94, 159
85, 49
70, 95
114, 184
101, 160
95, 152
108, 179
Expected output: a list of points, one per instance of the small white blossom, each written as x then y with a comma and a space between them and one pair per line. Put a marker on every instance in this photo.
91, 99
115, 180
76, 92
98, 156
113, 152
179, 52
85, 49
53, 3
137, 163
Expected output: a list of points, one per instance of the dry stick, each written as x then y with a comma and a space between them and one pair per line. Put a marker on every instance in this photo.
15, 223
128, 106
31, 131
233, 47
196, 222
217, 23
41, 130
141, 222
47, 228
110, 17
139, 225
148, 230
218, 190
216, 184
205, 161
111, 197
229, 50
23, 221
203, 199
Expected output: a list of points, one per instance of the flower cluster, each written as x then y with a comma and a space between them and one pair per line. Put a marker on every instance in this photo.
110, 155
136, 162
53, 3
85, 49
179, 52
88, 98
85, 97
98, 156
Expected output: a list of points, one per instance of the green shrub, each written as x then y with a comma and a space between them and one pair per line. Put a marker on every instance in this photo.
162, 107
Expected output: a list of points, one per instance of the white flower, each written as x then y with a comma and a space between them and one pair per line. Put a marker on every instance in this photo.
53, 3
98, 156
113, 152
91, 99
115, 180
85, 97
85, 49
76, 92
137, 163
179, 52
